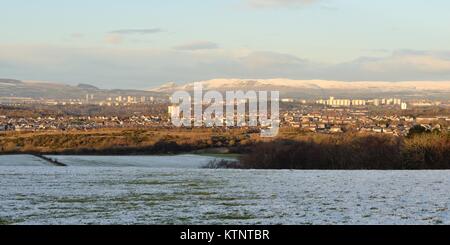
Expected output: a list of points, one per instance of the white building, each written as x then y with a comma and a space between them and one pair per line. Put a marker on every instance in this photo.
174, 110
358, 102
404, 106
287, 100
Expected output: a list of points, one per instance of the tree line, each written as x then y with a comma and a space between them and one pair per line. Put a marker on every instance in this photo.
291, 150
351, 151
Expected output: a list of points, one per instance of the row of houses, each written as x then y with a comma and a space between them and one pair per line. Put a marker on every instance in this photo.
78, 123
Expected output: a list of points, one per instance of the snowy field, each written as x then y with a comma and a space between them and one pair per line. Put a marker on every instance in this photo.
21, 160
179, 161
105, 193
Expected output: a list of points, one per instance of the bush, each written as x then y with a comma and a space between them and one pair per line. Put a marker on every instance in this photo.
222, 164
425, 151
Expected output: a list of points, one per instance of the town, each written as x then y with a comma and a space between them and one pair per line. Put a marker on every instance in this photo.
392, 116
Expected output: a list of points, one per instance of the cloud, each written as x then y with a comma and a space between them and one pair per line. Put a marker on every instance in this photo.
428, 62
122, 67
198, 45
279, 3
271, 64
119, 36
114, 39
396, 66
136, 31
77, 35
265, 59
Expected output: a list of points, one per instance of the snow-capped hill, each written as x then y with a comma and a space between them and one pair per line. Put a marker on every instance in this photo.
288, 85
166, 87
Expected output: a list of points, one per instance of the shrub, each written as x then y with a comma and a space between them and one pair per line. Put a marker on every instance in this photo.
425, 151
222, 164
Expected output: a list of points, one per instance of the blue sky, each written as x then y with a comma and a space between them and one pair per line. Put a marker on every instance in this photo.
143, 43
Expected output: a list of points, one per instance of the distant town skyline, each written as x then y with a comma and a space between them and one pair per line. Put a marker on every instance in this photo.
142, 44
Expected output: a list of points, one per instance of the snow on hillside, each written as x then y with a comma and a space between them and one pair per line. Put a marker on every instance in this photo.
220, 84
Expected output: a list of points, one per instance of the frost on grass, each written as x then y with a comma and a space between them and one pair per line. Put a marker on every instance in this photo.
5, 222
21, 160
152, 195
178, 161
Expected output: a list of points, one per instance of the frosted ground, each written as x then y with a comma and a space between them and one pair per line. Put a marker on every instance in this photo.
142, 190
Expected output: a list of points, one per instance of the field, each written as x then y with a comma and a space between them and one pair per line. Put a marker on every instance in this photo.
101, 190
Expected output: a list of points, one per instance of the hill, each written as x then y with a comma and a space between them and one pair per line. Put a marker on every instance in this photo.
52, 90
323, 88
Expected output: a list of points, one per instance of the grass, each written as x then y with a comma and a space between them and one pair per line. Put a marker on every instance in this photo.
150, 182
132, 141
235, 216
146, 198
188, 183
438, 222
193, 184
199, 193
233, 204
5, 222
77, 200
184, 219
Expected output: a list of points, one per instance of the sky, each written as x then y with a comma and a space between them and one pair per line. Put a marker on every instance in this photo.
144, 43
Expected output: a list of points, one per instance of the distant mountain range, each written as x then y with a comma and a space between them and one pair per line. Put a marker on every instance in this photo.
306, 89
51, 90
322, 88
